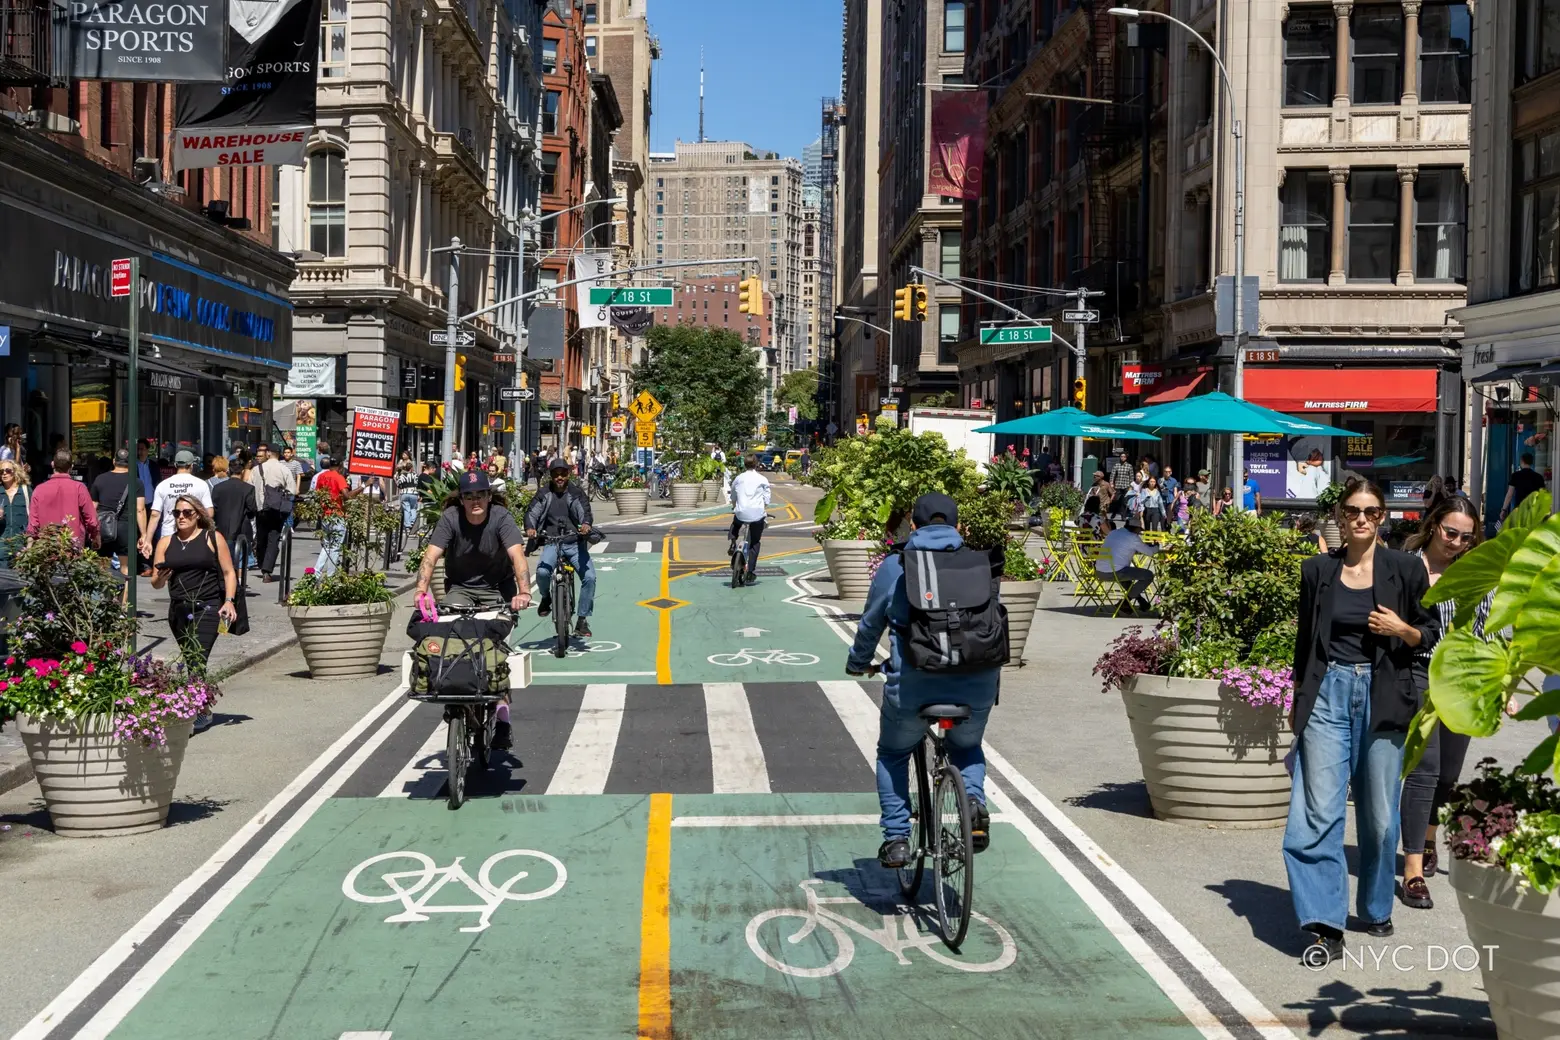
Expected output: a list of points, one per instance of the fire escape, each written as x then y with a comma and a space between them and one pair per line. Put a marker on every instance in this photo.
34, 44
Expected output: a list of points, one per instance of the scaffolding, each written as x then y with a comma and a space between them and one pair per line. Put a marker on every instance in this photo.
833, 114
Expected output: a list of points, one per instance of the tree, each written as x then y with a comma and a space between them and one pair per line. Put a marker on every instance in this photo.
800, 387
708, 379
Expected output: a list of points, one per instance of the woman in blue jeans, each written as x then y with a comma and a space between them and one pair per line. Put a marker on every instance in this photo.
1361, 623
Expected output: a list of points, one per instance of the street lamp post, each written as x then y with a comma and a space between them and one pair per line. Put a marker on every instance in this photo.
889, 332
1238, 447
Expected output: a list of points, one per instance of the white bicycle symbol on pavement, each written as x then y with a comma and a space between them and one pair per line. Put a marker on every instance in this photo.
426, 879
604, 646
887, 936
750, 656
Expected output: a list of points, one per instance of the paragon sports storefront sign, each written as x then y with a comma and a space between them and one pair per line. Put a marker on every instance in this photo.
148, 40
272, 147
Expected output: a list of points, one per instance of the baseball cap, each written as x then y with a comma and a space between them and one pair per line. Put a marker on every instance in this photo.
185, 458
562, 464
932, 505
474, 480
1202, 473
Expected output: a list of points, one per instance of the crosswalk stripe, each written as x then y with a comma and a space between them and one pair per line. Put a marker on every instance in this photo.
857, 712
425, 773
736, 756
599, 549
641, 547
587, 758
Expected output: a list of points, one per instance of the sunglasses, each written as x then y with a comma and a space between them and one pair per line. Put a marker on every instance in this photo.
473, 496
1462, 537
1371, 513
183, 513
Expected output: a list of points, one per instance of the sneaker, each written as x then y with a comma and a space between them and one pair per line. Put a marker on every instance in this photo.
750, 579
582, 629
543, 608
1416, 894
894, 853
731, 547
980, 828
503, 739
203, 721
1379, 930
1324, 949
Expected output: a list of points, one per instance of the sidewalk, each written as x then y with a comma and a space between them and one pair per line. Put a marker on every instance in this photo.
269, 631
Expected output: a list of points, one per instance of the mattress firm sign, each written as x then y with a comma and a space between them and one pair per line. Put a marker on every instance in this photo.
153, 40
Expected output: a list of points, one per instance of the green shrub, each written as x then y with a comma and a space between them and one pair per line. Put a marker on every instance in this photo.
872, 481
1059, 494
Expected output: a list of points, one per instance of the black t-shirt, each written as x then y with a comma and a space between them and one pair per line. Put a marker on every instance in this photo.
1350, 641
424, 482
477, 557
106, 491
1525, 482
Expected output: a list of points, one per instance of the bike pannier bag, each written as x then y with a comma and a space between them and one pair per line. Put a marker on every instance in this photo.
957, 623
463, 658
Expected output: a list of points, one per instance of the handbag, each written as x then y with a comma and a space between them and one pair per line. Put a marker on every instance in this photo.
277, 497
108, 523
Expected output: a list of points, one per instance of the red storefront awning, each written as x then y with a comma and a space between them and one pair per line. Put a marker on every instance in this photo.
1175, 388
1342, 389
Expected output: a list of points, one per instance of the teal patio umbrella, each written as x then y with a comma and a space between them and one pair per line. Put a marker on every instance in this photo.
1219, 413
1065, 422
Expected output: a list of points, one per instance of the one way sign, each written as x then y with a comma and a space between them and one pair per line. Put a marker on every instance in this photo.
515, 393
441, 338
1082, 317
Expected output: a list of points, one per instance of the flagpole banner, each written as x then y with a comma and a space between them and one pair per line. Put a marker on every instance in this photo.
263, 112
958, 142
632, 321
149, 40
596, 266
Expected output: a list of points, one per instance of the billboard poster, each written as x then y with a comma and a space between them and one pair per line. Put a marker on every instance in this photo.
262, 112
148, 40
1359, 451
958, 142
1291, 467
306, 432
372, 453
596, 266
1265, 460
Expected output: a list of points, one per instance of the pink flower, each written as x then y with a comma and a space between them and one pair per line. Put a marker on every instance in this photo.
10, 661
78, 647
4, 686
308, 570
90, 668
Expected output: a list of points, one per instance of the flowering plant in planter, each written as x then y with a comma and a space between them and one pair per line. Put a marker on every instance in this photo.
339, 588
1259, 686
1133, 653
1504, 819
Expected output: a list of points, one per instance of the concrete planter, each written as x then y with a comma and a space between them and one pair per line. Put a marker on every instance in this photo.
1207, 756
709, 491
631, 501
1331, 533
1522, 972
342, 642
684, 496
1021, 598
96, 785
850, 565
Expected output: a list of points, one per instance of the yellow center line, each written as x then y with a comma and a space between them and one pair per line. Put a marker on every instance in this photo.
655, 931
663, 649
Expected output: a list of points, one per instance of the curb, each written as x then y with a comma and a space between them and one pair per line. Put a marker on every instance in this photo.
16, 768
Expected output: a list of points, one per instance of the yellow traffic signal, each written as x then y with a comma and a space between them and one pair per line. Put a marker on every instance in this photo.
615, 400
460, 371
750, 296
920, 302
1080, 392
902, 303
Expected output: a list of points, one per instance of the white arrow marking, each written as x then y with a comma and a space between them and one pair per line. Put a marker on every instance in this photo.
750, 633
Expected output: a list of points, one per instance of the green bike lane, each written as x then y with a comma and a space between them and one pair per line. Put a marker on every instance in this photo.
627, 915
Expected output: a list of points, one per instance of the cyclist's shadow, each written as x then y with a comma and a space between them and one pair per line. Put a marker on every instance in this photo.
877, 889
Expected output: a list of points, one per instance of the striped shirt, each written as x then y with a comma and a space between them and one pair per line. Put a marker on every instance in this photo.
1448, 609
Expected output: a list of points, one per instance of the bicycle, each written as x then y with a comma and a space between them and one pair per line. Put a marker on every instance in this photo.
561, 592
748, 655
739, 553
599, 485
470, 719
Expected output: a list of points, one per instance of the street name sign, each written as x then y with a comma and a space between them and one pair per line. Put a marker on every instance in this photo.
1083, 317
441, 338
631, 296
1016, 334
515, 393
503, 359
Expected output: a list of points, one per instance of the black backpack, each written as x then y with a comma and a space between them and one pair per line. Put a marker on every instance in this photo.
957, 624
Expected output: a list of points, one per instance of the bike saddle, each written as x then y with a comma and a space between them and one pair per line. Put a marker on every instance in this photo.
938, 712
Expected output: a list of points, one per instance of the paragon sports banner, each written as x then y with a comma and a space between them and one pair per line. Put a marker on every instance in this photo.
958, 142
153, 40
373, 442
262, 113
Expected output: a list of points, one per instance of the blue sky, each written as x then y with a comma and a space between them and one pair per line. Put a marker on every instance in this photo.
766, 68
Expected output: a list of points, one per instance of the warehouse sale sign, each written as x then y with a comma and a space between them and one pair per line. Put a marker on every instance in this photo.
372, 453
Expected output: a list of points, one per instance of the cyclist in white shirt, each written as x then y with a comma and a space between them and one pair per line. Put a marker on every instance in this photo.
749, 505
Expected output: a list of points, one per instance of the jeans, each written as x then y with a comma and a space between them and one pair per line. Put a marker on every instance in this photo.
333, 532
900, 729
578, 554
1135, 579
1337, 748
409, 504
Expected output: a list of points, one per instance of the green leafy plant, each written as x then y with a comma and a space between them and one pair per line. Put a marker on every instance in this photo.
67, 597
1473, 677
339, 588
709, 380
1009, 478
703, 467
1508, 820
983, 516
1328, 500
1017, 565
628, 478
1200, 659
1059, 494
871, 482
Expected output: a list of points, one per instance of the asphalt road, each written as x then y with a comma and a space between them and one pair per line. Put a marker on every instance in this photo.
683, 784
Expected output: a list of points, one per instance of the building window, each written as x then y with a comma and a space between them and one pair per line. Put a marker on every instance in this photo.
547, 282
947, 334
333, 40
1303, 246
1372, 230
1378, 54
1537, 212
1308, 57
953, 79
590, 46
590, 14
1538, 36
549, 57
1440, 225
953, 25
1445, 53
951, 242
328, 203
550, 112
550, 174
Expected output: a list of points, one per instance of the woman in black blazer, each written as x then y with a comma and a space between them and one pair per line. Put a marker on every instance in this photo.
1361, 623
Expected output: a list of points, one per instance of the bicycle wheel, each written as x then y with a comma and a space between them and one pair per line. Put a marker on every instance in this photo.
952, 864
457, 757
921, 837
482, 735
738, 559
563, 611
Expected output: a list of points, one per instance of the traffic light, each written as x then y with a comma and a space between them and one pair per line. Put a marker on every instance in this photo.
750, 296
902, 303
615, 400
920, 302
460, 371
1080, 392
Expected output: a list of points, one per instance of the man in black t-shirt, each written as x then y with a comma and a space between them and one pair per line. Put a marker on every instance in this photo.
483, 550
110, 491
1522, 483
